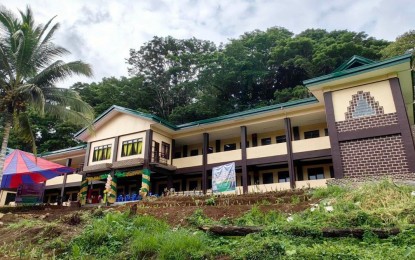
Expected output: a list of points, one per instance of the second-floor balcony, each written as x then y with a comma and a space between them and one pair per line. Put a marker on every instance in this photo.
161, 158
312, 144
261, 151
226, 156
266, 150
188, 161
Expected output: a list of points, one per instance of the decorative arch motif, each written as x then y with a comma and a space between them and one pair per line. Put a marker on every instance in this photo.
362, 105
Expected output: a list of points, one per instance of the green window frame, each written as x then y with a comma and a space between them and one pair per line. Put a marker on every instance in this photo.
132, 147
102, 152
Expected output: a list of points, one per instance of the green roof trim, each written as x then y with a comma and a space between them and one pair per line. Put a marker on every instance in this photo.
149, 116
356, 59
289, 104
358, 70
131, 112
70, 149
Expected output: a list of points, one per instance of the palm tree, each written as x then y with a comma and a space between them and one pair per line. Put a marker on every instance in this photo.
29, 69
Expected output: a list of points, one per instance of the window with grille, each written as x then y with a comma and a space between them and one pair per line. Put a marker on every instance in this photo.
229, 147
315, 173
165, 148
132, 147
283, 176
267, 178
266, 141
280, 139
101, 153
311, 134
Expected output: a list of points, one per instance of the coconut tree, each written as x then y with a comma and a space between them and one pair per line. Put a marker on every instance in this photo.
30, 67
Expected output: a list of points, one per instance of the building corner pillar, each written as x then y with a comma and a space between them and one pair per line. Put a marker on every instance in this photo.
334, 139
290, 161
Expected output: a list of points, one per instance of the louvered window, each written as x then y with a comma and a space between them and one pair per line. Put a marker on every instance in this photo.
102, 152
132, 147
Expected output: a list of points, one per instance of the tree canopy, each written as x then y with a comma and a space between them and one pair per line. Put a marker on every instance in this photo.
184, 80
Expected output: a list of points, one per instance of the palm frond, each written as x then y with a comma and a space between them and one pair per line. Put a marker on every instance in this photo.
24, 128
68, 99
27, 17
50, 33
59, 71
5, 65
19, 37
7, 20
46, 54
67, 114
34, 96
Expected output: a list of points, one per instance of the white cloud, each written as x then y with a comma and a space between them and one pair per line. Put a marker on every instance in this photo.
102, 32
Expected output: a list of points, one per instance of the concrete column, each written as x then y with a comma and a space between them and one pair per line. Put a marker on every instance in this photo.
148, 148
288, 135
205, 156
65, 176
244, 163
334, 139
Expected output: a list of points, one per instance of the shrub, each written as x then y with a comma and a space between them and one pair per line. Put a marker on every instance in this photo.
330, 191
295, 199
198, 218
251, 218
257, 247
210, 201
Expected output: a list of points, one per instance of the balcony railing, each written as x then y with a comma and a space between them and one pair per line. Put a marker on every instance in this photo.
311, 144
188, 161
161, 158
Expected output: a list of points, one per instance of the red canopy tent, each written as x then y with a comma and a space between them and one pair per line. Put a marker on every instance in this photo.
22, 167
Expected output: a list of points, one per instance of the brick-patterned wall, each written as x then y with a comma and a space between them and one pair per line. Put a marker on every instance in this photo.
367, 122
380, 156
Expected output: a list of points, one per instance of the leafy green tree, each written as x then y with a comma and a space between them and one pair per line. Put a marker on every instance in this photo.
403, 43
50, 134
241, 72
125, 92
316, 52
170, 70
290, 94
29, 69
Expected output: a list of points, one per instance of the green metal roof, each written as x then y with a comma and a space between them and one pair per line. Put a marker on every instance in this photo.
356, 59
357, 70
131, 112
289, 104
70, 149
157, 119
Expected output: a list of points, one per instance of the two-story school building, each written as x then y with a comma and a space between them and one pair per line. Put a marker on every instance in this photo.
358, 125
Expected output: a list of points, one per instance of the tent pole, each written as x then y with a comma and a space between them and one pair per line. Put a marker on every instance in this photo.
68, 164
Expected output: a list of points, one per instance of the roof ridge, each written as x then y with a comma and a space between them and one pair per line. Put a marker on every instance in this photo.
336, 74
348, 63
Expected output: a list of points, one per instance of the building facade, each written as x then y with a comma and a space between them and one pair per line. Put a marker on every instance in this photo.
357, 125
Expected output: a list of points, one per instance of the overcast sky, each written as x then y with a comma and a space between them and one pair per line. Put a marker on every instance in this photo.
101, 32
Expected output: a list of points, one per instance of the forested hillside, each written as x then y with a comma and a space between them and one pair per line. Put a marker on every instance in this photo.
184, 80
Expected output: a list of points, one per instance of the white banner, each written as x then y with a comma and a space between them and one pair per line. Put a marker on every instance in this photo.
224, 178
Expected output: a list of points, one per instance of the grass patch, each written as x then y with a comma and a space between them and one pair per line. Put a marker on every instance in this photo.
138, 237
25, 223
114, 235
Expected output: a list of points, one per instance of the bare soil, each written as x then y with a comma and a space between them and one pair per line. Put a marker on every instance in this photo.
175, 210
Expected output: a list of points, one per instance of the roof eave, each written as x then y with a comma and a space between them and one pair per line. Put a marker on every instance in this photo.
358, 70
286, 105
153, 118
